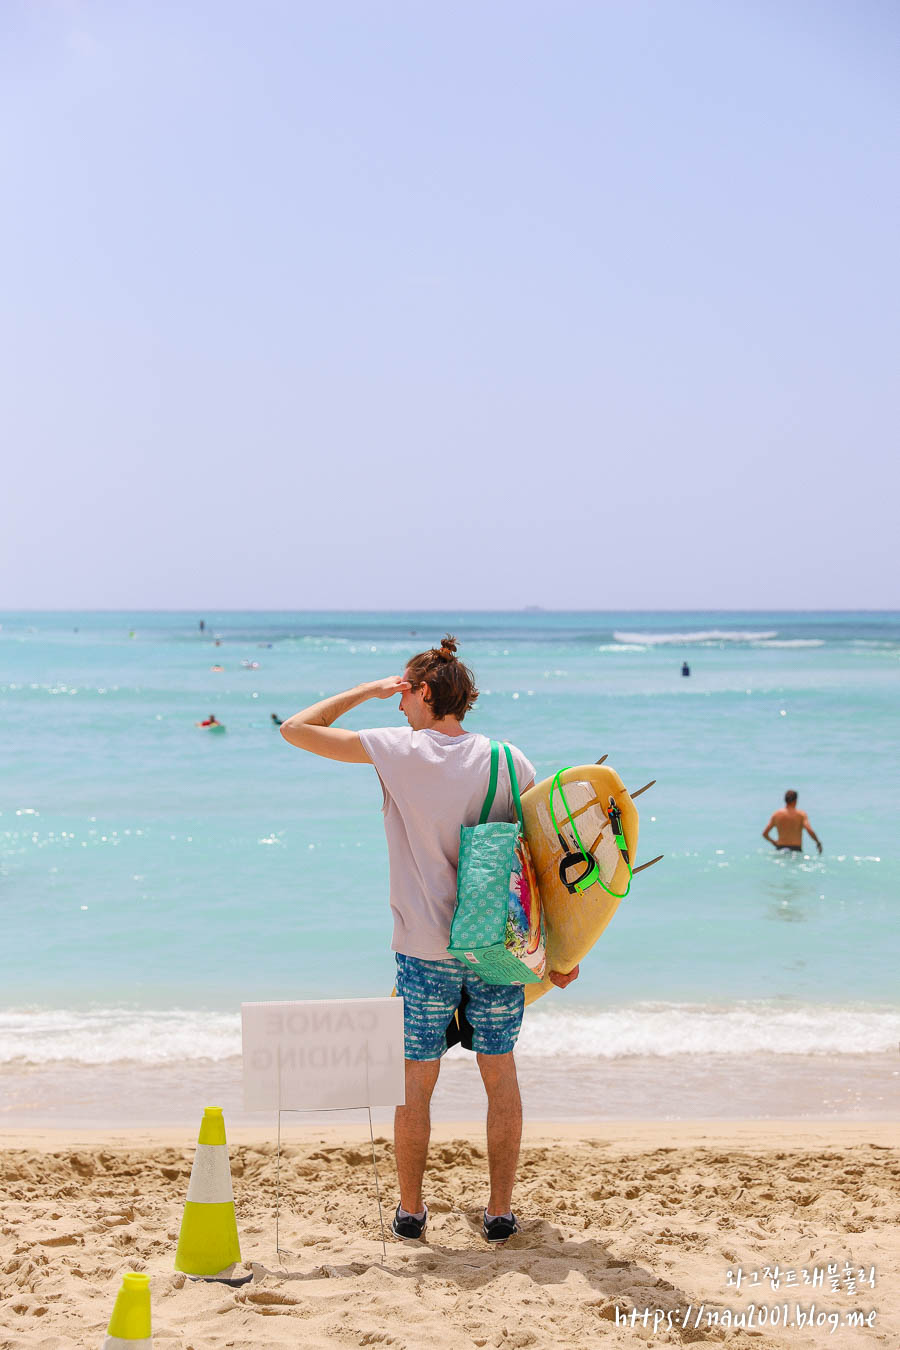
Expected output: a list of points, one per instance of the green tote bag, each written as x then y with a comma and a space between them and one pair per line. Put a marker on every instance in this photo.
497, 926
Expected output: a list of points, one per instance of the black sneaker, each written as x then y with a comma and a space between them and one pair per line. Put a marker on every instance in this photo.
409, 1226
499, 1229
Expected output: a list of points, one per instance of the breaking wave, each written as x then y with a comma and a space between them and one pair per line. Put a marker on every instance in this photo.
172, 1036
704, 636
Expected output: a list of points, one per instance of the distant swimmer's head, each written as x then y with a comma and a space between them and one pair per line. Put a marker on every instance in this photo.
790, 797
441, 686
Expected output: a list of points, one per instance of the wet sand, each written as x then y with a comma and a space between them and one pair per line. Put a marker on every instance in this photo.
681, 1087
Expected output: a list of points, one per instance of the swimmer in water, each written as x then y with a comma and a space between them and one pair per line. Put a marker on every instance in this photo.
790, 824
277, 720
211, 721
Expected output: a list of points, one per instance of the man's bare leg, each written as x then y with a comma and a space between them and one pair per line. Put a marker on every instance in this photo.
412, 1130
504, 1127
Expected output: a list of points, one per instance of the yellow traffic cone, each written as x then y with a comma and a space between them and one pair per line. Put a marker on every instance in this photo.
129, 1326
208, 1246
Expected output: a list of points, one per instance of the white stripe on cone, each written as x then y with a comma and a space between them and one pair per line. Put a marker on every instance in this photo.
116, 1343
210, 1182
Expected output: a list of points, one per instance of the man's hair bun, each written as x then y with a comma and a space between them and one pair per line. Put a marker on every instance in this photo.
451, 685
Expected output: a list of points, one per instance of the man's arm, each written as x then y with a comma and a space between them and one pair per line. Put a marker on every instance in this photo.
555, 976
311, 729
809, 830
766, 834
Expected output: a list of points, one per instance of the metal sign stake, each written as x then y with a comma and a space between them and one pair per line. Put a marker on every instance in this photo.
278, 1248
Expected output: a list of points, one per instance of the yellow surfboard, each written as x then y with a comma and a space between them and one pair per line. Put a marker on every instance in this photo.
575, 919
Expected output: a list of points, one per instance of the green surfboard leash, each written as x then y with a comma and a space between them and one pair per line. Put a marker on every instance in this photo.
593, 876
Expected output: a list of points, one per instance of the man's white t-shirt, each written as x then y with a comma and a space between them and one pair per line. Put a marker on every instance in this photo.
433, 783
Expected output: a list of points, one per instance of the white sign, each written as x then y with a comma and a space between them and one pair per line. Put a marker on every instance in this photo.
322, 1055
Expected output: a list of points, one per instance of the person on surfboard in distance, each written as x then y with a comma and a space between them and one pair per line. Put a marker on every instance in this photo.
433, 777
790, 824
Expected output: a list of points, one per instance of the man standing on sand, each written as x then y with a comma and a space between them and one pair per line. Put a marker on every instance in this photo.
434, 777
790, 824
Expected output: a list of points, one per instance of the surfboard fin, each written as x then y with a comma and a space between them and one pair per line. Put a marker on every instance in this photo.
643, 867
602, 759
632, 795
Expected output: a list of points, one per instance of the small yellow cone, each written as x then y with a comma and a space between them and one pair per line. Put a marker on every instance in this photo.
129, 1326
208, 1246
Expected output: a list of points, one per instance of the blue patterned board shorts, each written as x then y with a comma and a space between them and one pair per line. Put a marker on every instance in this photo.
431, 991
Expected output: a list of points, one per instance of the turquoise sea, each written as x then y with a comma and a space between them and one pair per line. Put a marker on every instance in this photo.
154, 876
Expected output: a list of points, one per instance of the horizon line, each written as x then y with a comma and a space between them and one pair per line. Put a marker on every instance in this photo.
521, 609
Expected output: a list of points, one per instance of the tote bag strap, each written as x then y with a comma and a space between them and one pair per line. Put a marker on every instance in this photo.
514, 784
492, 783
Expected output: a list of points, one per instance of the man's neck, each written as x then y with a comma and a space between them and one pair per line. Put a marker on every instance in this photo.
447, 726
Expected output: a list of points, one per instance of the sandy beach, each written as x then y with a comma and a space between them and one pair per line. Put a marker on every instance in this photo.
638, 1221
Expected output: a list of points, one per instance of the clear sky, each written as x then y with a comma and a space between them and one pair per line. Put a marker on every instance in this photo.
470, 305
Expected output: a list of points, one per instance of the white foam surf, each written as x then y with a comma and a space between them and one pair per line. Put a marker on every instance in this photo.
113, 1035
172, 1036
705, 636
685, 1029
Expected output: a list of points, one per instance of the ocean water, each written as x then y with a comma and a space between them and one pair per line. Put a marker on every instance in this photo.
153, 876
